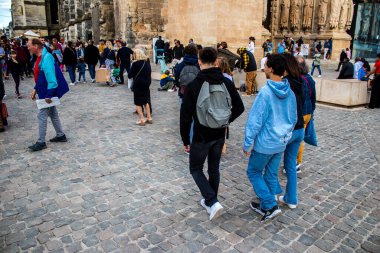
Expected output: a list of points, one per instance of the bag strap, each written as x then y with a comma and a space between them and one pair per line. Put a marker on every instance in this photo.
139, 71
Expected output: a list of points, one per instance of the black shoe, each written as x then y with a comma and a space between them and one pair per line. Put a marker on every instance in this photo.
59, 139
270, 214
38, 146
256, 207
2, 130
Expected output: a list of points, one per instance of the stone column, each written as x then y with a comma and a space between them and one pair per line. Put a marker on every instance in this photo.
95, 23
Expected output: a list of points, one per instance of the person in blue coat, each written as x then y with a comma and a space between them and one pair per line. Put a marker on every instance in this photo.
268, 129
47, 86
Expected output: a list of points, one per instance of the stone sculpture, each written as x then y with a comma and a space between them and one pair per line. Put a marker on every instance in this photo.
307, 14
322, 14
295, 14
335, 11
285, 6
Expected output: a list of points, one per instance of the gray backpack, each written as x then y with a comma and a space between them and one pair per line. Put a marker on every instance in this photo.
187, 75
214, 105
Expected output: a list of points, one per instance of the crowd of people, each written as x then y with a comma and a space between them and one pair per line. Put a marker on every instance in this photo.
209, 103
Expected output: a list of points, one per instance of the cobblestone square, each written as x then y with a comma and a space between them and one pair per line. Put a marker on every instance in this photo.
118, 187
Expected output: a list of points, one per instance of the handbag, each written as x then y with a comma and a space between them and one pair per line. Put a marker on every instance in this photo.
310, 135
131, 80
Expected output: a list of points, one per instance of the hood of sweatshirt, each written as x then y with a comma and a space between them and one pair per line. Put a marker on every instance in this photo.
242, 50
190, 59
280, 89
212, 75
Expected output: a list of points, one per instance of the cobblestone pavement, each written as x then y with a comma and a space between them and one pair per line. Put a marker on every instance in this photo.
117, 187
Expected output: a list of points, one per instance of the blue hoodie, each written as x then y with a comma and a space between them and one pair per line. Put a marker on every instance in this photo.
272, 119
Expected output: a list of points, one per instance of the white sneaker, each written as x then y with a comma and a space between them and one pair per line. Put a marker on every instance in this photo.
84, 82
208, 209
93, 81
5, 96
72, 84
170, 90
319, 76
216, 210
281, 200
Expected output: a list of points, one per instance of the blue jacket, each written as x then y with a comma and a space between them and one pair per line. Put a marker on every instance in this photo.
47, 85
165, 79
272, 119
309, 94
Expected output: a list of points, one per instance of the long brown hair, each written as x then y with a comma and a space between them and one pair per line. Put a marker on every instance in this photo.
292, 67
222, 63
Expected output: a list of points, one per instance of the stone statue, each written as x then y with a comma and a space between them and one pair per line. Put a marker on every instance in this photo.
350, 14
343, 15
322, 13
295, 14
307, 14
335, 13
285, 6
265, 5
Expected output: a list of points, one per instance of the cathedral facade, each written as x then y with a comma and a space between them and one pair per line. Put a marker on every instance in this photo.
207, 22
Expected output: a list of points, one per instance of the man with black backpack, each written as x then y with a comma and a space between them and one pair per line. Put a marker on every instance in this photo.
212, 101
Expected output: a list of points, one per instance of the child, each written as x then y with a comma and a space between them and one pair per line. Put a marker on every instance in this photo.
166, 82
82, 69
14, 67
115, 74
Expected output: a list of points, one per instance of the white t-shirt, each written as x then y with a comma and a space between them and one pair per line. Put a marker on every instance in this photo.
251, 47
263, 61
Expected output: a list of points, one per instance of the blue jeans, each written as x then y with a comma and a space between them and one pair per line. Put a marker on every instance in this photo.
82, 74
71, 70
265, 186
91, 69
313, 67
290, 163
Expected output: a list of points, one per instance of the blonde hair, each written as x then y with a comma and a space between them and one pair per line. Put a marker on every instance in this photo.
109, 44
222, 63
139, 54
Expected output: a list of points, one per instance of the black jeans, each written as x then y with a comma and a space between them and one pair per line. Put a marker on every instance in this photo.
124, 66
374, 101
198, 153
16, 78
340, 64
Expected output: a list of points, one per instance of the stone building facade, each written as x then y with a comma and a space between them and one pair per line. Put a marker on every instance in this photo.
207, 22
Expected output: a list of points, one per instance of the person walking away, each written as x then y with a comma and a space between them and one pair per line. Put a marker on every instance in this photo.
347, 71
45, 66
251, 45
141, 73
207, 140
343, 55
248, 63
70, 60
268, 129
123, 57
326, 46
91, 58
316, 63
308, 108
374, 101
82, 69
15, 69
160, 47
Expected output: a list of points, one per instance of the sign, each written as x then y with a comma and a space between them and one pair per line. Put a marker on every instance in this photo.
304, 50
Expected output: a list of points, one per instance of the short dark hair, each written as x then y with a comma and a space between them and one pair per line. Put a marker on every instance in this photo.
208, 55
37, 42
190, 50
224, 44
277, 63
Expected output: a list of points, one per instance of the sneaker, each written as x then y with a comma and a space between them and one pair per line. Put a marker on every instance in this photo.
72, 84
84, 82
5, 96
256, 207
203, 203
38, 146
59, 139
270, 214
216, 210
281, 200
2, 130
93, 81
319, 76
187, 150
298, 169
170, 90
19, 96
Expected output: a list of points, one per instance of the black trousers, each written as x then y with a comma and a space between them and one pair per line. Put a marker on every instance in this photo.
16, 78
340, 64
198, 153
124, 66
374, 101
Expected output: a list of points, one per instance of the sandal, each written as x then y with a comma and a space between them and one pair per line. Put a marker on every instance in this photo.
149, 121
140, 123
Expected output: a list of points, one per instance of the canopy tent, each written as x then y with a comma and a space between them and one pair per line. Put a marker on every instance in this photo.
31, 34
